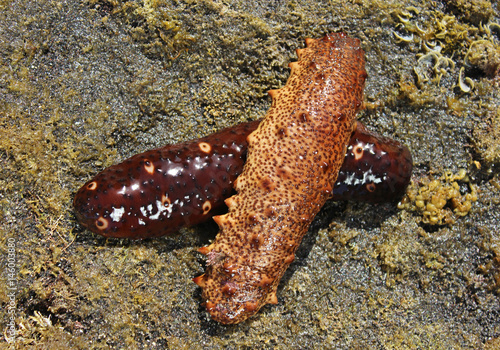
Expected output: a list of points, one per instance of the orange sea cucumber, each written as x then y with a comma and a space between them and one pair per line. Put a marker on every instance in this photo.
293, 161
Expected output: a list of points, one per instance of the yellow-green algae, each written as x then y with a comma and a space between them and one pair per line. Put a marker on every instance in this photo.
440, 200
487, 138
83, 85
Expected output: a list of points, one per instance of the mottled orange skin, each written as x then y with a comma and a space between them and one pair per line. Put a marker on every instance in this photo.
293, 160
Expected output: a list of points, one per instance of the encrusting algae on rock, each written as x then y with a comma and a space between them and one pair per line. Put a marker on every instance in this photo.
293, 161
438, 199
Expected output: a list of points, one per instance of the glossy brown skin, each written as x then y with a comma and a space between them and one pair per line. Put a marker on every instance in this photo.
375, 169
159, 191
293, 161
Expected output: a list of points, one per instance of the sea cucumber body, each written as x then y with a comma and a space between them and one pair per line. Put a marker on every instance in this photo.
156, 192
121, 201
293, 160
375, 169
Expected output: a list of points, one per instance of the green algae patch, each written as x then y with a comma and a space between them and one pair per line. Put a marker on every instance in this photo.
487, 139
484, 55
38, 331
152, 24
440, 200
475, 11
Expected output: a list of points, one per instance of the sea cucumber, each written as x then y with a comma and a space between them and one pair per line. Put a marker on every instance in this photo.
375, 169
122, 200
293, 160
156, 192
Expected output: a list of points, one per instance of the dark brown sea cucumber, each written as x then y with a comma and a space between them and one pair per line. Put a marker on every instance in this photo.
198, 175
376, 168
157, 192
293, 161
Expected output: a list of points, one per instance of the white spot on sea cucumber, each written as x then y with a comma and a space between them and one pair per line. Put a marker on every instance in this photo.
133, 187
117, 214
160, 208
199, 163
369, 177
175, 171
